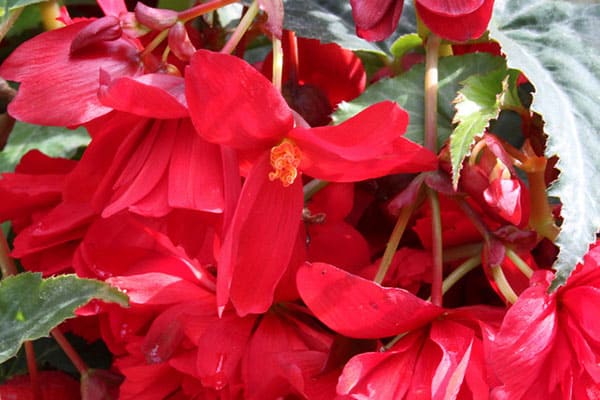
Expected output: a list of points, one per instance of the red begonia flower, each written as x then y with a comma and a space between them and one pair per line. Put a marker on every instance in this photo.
548, 344
359, 308
46, 68
325, 75
457, 21
222, 93
444, 361
376, 20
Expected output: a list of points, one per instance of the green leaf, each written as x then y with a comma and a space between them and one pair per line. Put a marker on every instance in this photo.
407, 91
406, 43
477, 103
324, 20
555, 43
10, 5
53, 141
30, 307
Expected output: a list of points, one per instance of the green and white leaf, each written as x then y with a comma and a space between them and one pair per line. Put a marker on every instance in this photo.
407, 91
30, 307
477, 103
52, 141
324, 20
555, 43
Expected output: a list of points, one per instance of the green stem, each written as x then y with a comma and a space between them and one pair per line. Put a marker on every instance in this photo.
201, 9
313, 187
503, 285
519, 262
392, 244
241, 29
437, 274
64, 344
10, 21
460, 272
431, 91
461, 252
155, 42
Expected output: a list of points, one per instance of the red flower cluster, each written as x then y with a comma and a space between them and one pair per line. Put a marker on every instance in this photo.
247, 230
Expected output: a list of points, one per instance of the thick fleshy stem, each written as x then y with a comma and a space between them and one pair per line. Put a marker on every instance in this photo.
431, 90
155, 43
460, 271
64, 344
455, 276
313, 187
241, 29
392, 244
519, 262
432, 48
437, 274
204, 8
10, 21
503, 285
277, 64
461, 252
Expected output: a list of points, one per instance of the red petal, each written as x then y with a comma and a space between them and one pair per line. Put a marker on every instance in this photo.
368, 145
359, 308
519, 349
457, 21
158, 288
260, 241
74, 101
195, 172
231, 103
368, 375
151, 95
455, 341
376, 20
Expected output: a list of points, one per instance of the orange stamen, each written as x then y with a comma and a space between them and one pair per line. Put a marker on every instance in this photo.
285, 158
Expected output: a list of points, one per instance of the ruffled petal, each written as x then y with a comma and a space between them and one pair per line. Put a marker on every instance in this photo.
376, 20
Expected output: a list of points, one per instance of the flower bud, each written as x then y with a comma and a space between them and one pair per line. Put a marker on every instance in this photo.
155, 18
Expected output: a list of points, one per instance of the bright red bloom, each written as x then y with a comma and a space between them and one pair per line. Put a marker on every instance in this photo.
457, 21
234, 105
440, 355
47, 64
549, 344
